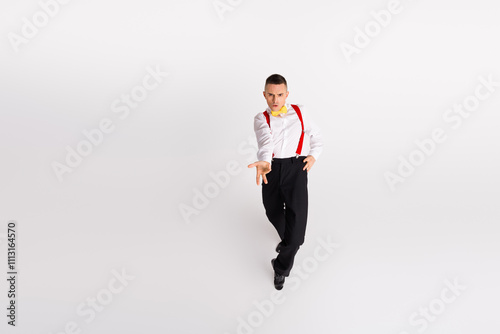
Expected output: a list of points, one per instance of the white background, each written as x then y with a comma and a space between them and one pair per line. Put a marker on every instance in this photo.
120, 208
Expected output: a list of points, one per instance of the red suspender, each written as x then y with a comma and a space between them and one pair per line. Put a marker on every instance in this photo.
268, 121
299, 114
267, 118
301, 140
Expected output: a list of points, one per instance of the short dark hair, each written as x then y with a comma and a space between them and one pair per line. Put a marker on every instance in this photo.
276, 79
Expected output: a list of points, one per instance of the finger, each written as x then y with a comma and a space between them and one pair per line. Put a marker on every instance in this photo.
307, 165
258, 178
264, 178
251, 165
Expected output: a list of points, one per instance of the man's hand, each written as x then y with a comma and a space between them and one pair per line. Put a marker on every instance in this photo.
309, 162
263, 167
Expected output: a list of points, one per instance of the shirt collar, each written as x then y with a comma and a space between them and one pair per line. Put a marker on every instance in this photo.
288, 107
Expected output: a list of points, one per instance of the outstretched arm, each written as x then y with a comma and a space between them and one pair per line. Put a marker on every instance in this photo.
263, 167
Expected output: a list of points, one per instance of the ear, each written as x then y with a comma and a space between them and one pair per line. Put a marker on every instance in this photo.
287, 92
264, 93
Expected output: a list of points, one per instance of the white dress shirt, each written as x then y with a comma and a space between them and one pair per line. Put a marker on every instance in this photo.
282, 138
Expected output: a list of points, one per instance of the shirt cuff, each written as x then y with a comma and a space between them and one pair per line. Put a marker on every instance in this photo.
315, 155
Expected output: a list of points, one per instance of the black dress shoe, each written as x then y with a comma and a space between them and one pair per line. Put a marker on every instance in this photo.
279, 280
278, 248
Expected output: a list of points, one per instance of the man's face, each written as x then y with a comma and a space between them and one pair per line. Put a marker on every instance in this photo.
275, 96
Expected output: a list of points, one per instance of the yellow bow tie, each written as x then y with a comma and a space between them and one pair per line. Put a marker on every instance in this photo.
281, 111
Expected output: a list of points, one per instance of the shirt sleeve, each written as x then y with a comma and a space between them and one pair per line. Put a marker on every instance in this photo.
264, 138
313, 131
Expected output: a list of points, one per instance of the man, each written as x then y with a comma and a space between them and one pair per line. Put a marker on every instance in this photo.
280, 132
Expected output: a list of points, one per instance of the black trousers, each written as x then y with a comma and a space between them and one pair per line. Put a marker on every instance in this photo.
286, 201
